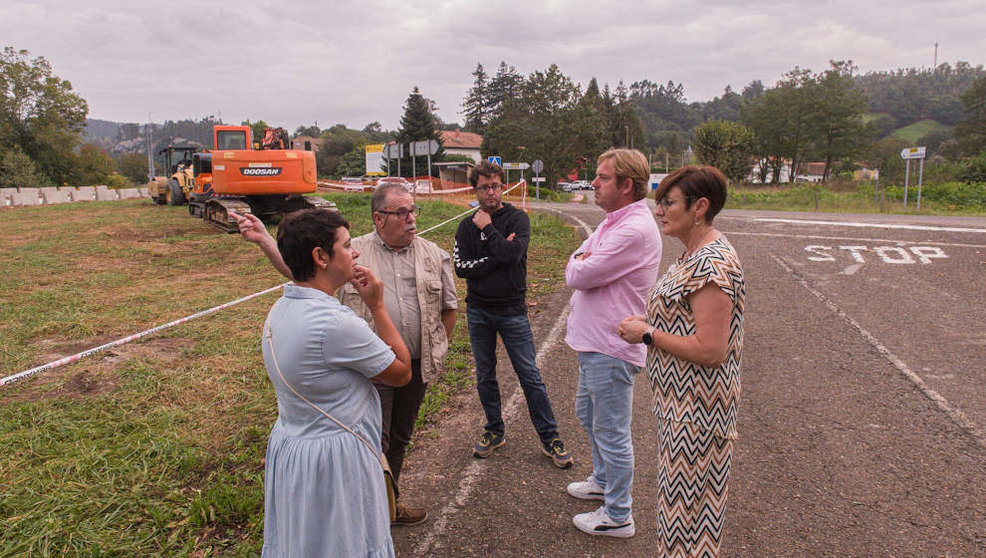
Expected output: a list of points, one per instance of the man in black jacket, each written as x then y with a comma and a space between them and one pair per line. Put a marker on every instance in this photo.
491, 254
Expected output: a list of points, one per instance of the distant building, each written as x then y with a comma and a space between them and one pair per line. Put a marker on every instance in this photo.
301, 141
810, 172
455, 142
454, 174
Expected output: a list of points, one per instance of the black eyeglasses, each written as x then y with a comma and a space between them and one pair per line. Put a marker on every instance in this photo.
487, 187
666, 203
402, 213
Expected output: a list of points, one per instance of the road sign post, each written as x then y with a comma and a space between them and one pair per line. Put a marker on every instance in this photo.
537, 166
913, 153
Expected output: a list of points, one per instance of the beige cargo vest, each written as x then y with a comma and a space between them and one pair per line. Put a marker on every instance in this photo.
428, 284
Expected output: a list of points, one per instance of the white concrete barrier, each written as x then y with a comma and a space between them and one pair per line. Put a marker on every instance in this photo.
55, 195
105, 193
128, 193
29, 197
5, 195
84, 193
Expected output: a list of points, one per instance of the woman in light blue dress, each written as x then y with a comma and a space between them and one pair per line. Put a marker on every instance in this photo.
324, 492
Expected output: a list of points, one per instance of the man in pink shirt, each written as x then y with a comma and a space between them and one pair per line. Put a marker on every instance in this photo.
612, 273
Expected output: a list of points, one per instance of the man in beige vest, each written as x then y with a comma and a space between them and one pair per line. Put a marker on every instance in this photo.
420, 298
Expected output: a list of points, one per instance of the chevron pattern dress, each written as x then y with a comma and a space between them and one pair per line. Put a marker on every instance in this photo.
695, 405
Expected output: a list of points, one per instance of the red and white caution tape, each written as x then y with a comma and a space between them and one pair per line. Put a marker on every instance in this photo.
129, 338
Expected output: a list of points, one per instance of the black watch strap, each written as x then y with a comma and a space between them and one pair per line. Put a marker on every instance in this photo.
647, 338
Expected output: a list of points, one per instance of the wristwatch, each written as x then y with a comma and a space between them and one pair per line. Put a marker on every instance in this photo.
647, 338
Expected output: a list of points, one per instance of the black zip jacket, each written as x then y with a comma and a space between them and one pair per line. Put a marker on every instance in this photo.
494, 268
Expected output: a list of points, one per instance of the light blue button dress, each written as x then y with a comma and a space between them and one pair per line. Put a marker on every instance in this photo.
324, 492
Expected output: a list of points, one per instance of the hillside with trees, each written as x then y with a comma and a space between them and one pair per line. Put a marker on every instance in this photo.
545, 115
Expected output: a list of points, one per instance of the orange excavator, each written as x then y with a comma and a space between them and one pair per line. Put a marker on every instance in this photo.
266, 179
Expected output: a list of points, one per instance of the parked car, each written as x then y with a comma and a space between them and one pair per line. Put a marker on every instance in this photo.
565, 186
581, 185
398, 179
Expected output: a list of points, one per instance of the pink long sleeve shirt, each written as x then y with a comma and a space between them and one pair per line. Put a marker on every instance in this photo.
613, 282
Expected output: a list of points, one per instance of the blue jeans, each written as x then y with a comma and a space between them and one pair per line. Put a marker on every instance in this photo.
604, 407
517, 337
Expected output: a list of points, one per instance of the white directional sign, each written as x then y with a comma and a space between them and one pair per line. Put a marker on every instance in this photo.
393, 151
429, 147
912, 153
495, 159
515, 166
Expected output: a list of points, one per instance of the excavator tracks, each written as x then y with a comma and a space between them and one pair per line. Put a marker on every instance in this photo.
216, 211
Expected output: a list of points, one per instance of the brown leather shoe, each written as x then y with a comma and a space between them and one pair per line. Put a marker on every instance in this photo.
409, 516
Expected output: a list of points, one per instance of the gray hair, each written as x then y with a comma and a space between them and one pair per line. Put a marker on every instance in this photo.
383, 190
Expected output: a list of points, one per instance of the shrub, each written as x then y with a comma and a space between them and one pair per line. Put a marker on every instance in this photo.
117, 181
975, 169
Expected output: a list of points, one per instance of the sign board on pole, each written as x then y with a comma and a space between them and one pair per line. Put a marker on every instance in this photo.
537, 166
429, 147
495, 159
538, 179
394, 151
374, 160
912, 153
515, 166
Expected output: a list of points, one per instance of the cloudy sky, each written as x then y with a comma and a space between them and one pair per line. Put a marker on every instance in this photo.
355, 62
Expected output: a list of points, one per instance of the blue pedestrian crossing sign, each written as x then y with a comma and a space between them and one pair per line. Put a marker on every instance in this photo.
495, 159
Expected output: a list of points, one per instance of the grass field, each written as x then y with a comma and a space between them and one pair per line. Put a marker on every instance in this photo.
918, 130
155, 448
950, 198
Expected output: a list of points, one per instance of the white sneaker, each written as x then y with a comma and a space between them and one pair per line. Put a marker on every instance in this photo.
599, 523
585, 490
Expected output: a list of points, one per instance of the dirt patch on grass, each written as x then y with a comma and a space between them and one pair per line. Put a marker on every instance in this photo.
98, 377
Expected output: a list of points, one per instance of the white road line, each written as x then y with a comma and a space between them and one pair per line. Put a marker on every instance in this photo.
955, 414
583, 224
872, 225
479, 467
856, 239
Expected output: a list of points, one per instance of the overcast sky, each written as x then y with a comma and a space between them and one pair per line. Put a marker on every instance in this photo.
355, 62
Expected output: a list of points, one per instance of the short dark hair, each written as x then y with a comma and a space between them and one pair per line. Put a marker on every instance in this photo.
486, 168
697, 182
303, 231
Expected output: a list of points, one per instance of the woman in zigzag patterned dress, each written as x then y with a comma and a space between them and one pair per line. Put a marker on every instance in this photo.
694, 327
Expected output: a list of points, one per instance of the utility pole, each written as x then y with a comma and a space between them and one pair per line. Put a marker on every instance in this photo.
936, 56
150, 150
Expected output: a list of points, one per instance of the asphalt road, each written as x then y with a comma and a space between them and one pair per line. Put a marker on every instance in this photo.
861, 423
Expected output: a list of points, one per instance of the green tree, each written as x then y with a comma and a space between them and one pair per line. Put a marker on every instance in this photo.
94, 166
313, 131
971, 130
134, 167
837, 120
884, 155
726, 146
504, 86
352, 163
257, 129
40, 115
336, 142
418, 124
625, 127
542, 121
476, 102
17, 170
